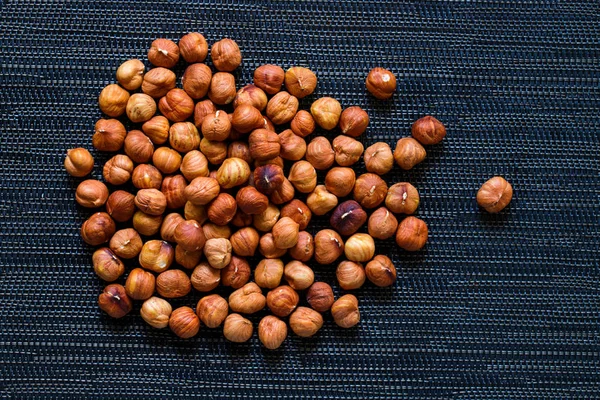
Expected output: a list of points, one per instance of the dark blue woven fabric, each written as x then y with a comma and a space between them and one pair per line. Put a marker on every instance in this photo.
496, 307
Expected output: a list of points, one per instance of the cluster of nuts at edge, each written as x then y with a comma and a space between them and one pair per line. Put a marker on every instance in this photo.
231, 212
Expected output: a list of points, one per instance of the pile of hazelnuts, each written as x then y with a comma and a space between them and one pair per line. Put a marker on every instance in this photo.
215, 178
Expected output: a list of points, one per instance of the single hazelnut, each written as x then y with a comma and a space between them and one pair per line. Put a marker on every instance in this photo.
176, 105
202, 190
340, 181
370, 190
237, 329
381, 271
236, 274
173, 283
226, 55
283, 193
268, 273
345, 311
118, 169
156, 256
212, 310
329, 246
382, 224
157, 129
298, 212
166, 160
169, 224
222, 88
320, 153
305, 322
79, 162
193, 47
359, 247
245, 241
268, 178
114, 301
97, 229
218, 252
215, 152
213, 231
158, 81
272, 332
265, 221
140, 107
320, 296
189, 235
184, 137
282, 108
196, 80
140, 284
151, 201
120, 205
428, 130
107, 265
251, 95
320, 201
267, 248
216, 127
348, 217
285, 233
303, 124
402, 198
91, 193
381, 83
222, 209
156, 312
264, 144
269, 78
326, 111
304, 248
126, 243
138, 147
379, 158
347, 150
293, 147
251, 201
248, 299
205, 278
146, 224
298, 275
184, 322
282, 300
163, 53
195, 212
193, 165
494, 195
246, 118
109, 135
350, 275
300, 81
409, 153
354, 121
412, 234
187, 259
146, 176
130, 74
233, 172
113, 100
303, 176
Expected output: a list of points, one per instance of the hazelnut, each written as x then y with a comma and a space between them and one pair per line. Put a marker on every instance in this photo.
118, 169
269, 78
359, 247
212, 310
248, 299
282, 300
236, 274
379, 158
266, 220
233, 172
222, 209
298, 212
347, 150
107, 265
268, 273
196, 80
320, 201
156, 312
282, 108
157, 129
163, 53
184, 137
303, 176
348, 217
402, 198
241, 219
201, 110
305, 322
267, 248
382, 224
146, 176
298, 275
193, 165
320, 153
245, 241
412, 234
91, 193
370, 190
251, 95
409, 153
184, 322
329, 246
130, 74
97, 229
79, 162
113, 100
205, 278
293, 147
350, 275
381, 271
303, 124
140, 107
222, 88
264, 144
285, 233
176, 105
428, 130
146, 224
151, 201
272, 332
381, 83
212, 231
114, 301
197, 213
268, 178
216, 127
138, 147
120, 205
126, 243
189, 235
156, 256
494, 195
187, 259
251, 201
193, 47
166, 160
340, 181
215, 152
202, 190
326, 111
283, 193
246, 118
237, 329
300, 81
354, 121
158, 81
169, 224
226, 55
218, 252
173, 283
140, 284
109, 135
304, 248
345, 311
320, 296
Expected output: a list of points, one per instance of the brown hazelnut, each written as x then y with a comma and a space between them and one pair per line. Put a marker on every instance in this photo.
157, 129
91, 193
326, 111
329, 246
402, 198
345, 311
348, 217
283, 193
146, 176
303, 176
109, 135
130, 74
267, 248
212, 310
251, 95
245, 241
298, 212
278, 161
205, 278
304, 248
120, 205
246, 118
285, 233
409, 153
494, 195
97, 229
173, 283
298, 275
350, 275
354, 121
305, 322
140, 107
212, 231
184, 322
151, 201
114, 301
226, 55
201, 110
146, 224
320, 201
113, 100
184, 137
169, 224
282, 300
140, 284
79, 162
379, 158
428, 130
268, 273
202, 190
138, 147
107, 265
382, 224
196, 80
340, 181
158, 81
156, 312
126, 243
381, 271
222, 88
216, 127
218, 252
282, 108
193, 47
320, 296
251, 201
236, 274
166, 160
303, 124
300, 81
265, 221
195, 212
187, 259
176, 105
293, 147
237, 329
193, 165
359, 247
264, 144
215, 152
222, 209
248, 299
381, 83
272, 332
156, 256
369, 190
269, 78
320, 153
347, 150
233, 172
189, 235
118, 169
163, 53
412, 234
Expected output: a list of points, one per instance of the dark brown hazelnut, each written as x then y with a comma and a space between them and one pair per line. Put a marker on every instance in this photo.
340, 181
348, 217
176, 105
303, 176
189, 235
370, 190
282, 108
156, 256
304, 248
146, 224
298, 275
205, 278
140, 284
151, 201
320, 153
264, 221
173, 283
402, 198
408, 153
320, 296
187, 259
195, 212
79, 162
163, 53
146, 176
412, 234
114, 301
381, 271
246, 118
236, 274
212, 310
126, 243
222, 209
267, 248
202, 190
237, 329
215, 152
347, 150
138, 147
282, 300
157, 129
494, 195
140, 107
169, 224
193, 47
306, 322
193, 165
201, 110
184, 137
298, 212
113, 100
233, 172
245, 241
226, 55
268, 178
109, 135
98, 229
345, 311
196, 80
382, 224
350, 275
300, 81
130, 74
359, 247
158, 81
285, 233
248, 299
428, 130
381, 83
107, 265
184, 322
251, 201
264, 144
166, 160
329, 246
91, 193
354, 121
293, 147
120, 205
379, 158
216, 127
320, 201
118, 169
251, 95
303, 124
222, 88
326, 111
269, 78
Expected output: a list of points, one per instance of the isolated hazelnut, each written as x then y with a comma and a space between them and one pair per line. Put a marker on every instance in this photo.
173, 283
184, 322
109, 135
156, 256
156, 312
107, 265
97, 229
304, 248
126, 243
345, 311
320, 296
146, 224
187, 259
233, 172
300, 81
222, 209
169, 224
379, 158
409, 153
120, 205
151, 201
218, 252
212, 310
113, 100
91, 193
282, 108
269, 78
272, 332
428, 130
114, 301
246, 118
163, 53
193, 47
320, 201
118, 169
138, 147
205, 278
189, 235
268, 178
494, 195
340, 181
348, 217
215, 152
305, 322
140, 284
268, 273
158, 81
381, 271
195, 212
382, 224
251, 201
350, 275
326, 111
196, 80
166, 160
283, 193
222, 88
293, 147
354, 121
130, 74
140, 107
402, 198
184, 137
303, 176
146, 176
347, 150
329, 246
285, 233
193, 165
298, 275
79, 162
369, 190
282, 300
265, 221
251, 95
381, 83
248, 299
236, 274
412, 234
176, 105
320, 153
303, 124
264, 144
237, 329
226, 55
245, 241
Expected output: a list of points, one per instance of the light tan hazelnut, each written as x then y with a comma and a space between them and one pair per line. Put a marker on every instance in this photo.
285, 233
320, 296
293, 147
326, 111
109, 135
268, 273
233, 172
494, 195
379, 158
267, 248
173, 283
304, 248
265, 221
184, 137
303, 176
412, 234
156, 256
190, 235
350, 275
157, 129
305, 322
300, 81
205, 278
184, 322
214, 231
118, 170
194, 165
114, 301
248, 299
282, 108
113, 100
146, 176
251, 95
269, 78
97, 229
402, 198
169, 224
146, 224
166, 160
381, 271
329, 246
272, 332
201, 110
382, 224
381, 83
354, 121
222, 88
196, 80
236, 274
202, 190
138, 147
151, 201
176, 105
91, 193
140, 284
197, 213
237, 329
126, 243
130, 74
359, 247
120, 205
193, 47
369, 190
245, 241
226, 55
187, 259
320, 201
409, 153
218, 252
158, 81
320, 153
264, 144
303, 124
79, 162
347, 150
107, 265
428, 130
298, 275
212, 310
163, 53
140, 107
345, 311
222, 209
156, 312
340, 181
282, 300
